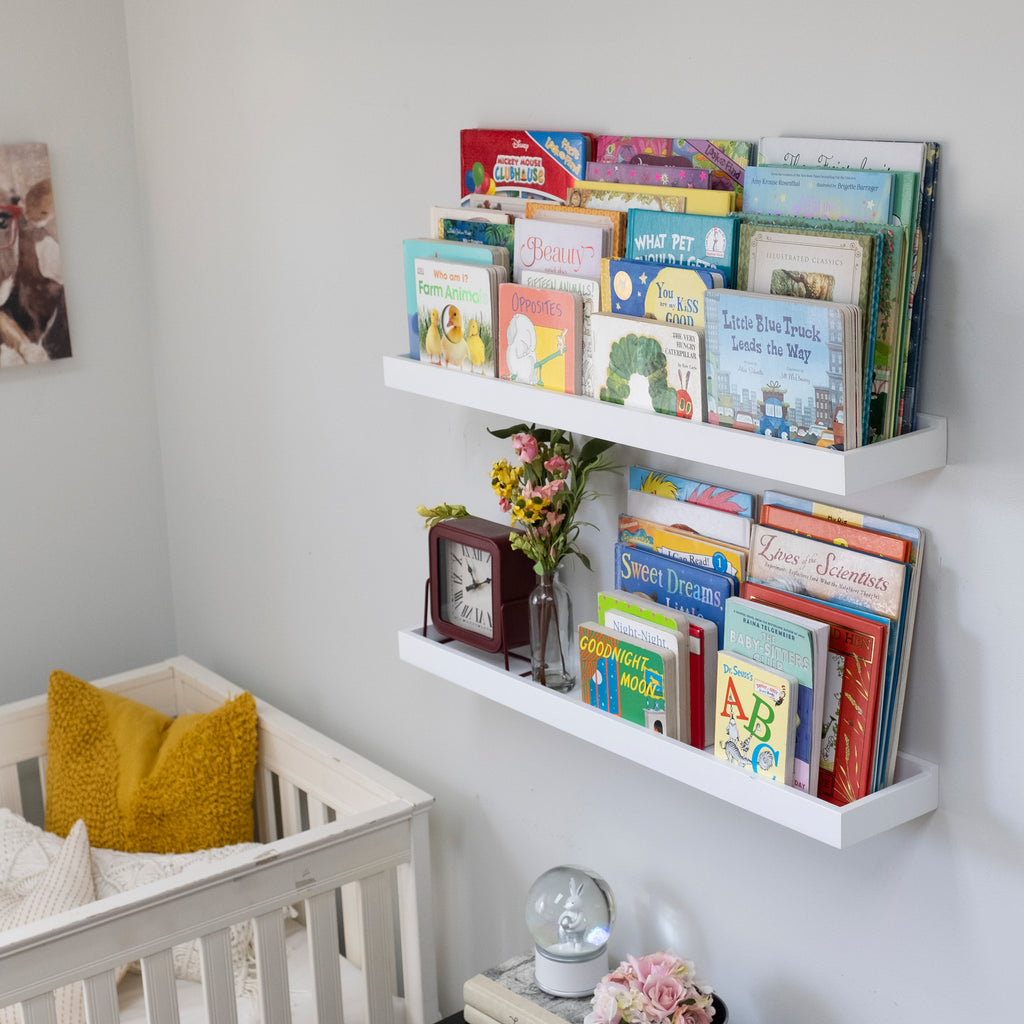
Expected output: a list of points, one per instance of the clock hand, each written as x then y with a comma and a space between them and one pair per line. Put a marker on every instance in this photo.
476, 584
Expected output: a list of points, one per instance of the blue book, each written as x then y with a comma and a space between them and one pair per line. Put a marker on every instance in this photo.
689, 588
826, 193
798, 646
683, 240
674, 295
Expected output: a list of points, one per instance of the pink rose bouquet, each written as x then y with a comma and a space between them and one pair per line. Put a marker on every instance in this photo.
659, 988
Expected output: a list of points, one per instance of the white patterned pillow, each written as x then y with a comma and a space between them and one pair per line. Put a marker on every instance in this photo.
39, 879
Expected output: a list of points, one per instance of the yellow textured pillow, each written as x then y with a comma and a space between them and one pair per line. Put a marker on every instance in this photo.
144, 782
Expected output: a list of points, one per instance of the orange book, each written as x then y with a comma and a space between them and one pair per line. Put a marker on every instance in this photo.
873, 542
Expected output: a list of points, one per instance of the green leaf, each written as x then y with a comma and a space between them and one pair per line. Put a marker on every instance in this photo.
593, 448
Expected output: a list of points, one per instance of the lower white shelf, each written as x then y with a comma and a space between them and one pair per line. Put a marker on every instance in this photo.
914, 792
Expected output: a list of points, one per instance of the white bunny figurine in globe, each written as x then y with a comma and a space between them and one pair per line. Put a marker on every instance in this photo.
571, 922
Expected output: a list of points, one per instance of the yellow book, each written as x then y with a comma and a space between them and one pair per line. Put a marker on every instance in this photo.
684, 546
712, 201
674, 295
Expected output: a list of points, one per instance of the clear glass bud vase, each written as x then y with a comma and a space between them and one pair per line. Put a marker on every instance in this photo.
551, 633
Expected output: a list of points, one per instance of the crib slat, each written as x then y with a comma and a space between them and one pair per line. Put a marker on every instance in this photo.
40, 1010
272, 968
291, 816
265, 818
218, 977
322, 933
10, 788
378, 941
101, 998
161, 996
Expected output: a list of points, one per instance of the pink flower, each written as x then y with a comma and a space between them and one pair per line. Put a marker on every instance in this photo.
505, 504
525, 446
664, 993
557, 465
606, 1007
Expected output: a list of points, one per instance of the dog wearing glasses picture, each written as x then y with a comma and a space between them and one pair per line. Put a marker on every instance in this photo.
33, 314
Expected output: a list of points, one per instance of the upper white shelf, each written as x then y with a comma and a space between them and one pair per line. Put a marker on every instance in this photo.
782, 461
914, 792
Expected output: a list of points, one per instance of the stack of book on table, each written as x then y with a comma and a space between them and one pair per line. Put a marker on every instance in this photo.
508, 994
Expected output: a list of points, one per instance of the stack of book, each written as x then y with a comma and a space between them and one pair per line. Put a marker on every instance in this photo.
775, 634
508, 994
777, 287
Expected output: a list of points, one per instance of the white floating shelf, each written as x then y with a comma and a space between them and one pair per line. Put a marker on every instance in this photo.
914, 792
785, 462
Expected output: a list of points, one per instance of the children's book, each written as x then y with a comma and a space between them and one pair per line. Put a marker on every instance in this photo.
703, 648
684, 240
727, 159
755, 723
690, 588
783, 367
589, 290
677, 710
613, 219
847, 726
481, 232
611, 149
654, 197
432, 248
824, 193
668, 485
703, 519
648, 174
540, 337
438, 214
674, 295
683, 545
648, 365
627, 677
527, 164
556, 248
457, 307
796, 645
886, 545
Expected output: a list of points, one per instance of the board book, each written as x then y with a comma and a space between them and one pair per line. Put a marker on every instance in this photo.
648, 365
438, 214
683, 545
703, 652
674, 295
540, 337
755, 722
627, 677
554, 247
559, 211
679, 488
684, 240
479, 233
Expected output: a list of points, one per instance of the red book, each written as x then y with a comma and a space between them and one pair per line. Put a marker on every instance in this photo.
887, 545
848, 729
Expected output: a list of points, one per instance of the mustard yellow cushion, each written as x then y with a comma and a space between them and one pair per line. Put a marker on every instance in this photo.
144, 782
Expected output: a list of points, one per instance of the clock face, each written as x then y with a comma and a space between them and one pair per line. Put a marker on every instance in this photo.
465, 587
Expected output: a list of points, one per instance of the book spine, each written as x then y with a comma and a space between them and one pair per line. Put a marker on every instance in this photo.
475, 1016
503, 1005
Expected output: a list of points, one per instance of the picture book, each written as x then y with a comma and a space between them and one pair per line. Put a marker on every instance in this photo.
755, 720
440, 213
627, 677
827, 571
683, 545
589, 291
796, 645
674, 295
482, 232
432, 248
694, 491
824, 193
783, 367
848, 729
540, 337
556, 248
648, 174
703, 663
528, 164
886, 545
514, 205
690, 588
703, 519
572, 214
683, 240
648, 365
655, 197
612, 149
900, 637
677, 711
727, 159
458, 312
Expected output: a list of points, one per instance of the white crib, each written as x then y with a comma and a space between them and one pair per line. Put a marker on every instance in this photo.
346, 845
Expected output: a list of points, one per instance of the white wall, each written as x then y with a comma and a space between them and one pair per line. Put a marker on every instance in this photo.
84, 578
284, 151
